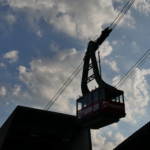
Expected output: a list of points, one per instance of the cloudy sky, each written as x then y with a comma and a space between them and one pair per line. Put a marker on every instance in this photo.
43, 41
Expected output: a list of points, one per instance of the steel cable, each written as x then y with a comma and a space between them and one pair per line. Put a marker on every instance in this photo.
139, 63
62, 90
63, 87
121, 14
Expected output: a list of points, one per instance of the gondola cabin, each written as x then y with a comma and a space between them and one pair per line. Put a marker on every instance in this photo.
101, 107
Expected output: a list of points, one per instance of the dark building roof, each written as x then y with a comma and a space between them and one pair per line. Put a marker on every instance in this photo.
29, 128
138, 140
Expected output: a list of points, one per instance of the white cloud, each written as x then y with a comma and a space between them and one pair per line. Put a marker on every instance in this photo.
12, 56
143, 6
22, 69
39, 33
112, 64
109, 133
105, 140
2, 65
81, 19
119, 138
10, 18
45, 76
114, 42
136, 47
3, 91
16, 90
136, 95
119, 1
54, 47
105, 49
31, 3
116, 80
99, 141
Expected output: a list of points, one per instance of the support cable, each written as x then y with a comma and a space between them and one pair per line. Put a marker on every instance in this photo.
62, 90
63, 87
121, 14
139, 63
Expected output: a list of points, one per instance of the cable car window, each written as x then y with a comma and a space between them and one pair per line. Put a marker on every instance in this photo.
114, 99
89, 99
118, 99
79, 105
95, 96
84, 104
121, 99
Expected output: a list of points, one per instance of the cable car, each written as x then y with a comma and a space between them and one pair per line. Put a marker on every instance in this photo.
100, 107
104, 105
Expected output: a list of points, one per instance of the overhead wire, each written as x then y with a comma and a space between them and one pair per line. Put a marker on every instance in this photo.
121, 14
64, 86
139, 63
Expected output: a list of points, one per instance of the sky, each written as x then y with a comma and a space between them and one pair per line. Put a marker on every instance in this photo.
43, 42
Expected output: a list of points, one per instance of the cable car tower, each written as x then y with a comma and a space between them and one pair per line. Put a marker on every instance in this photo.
104, 105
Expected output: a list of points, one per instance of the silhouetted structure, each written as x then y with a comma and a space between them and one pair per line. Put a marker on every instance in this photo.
104, 105
139, 140
34, 129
